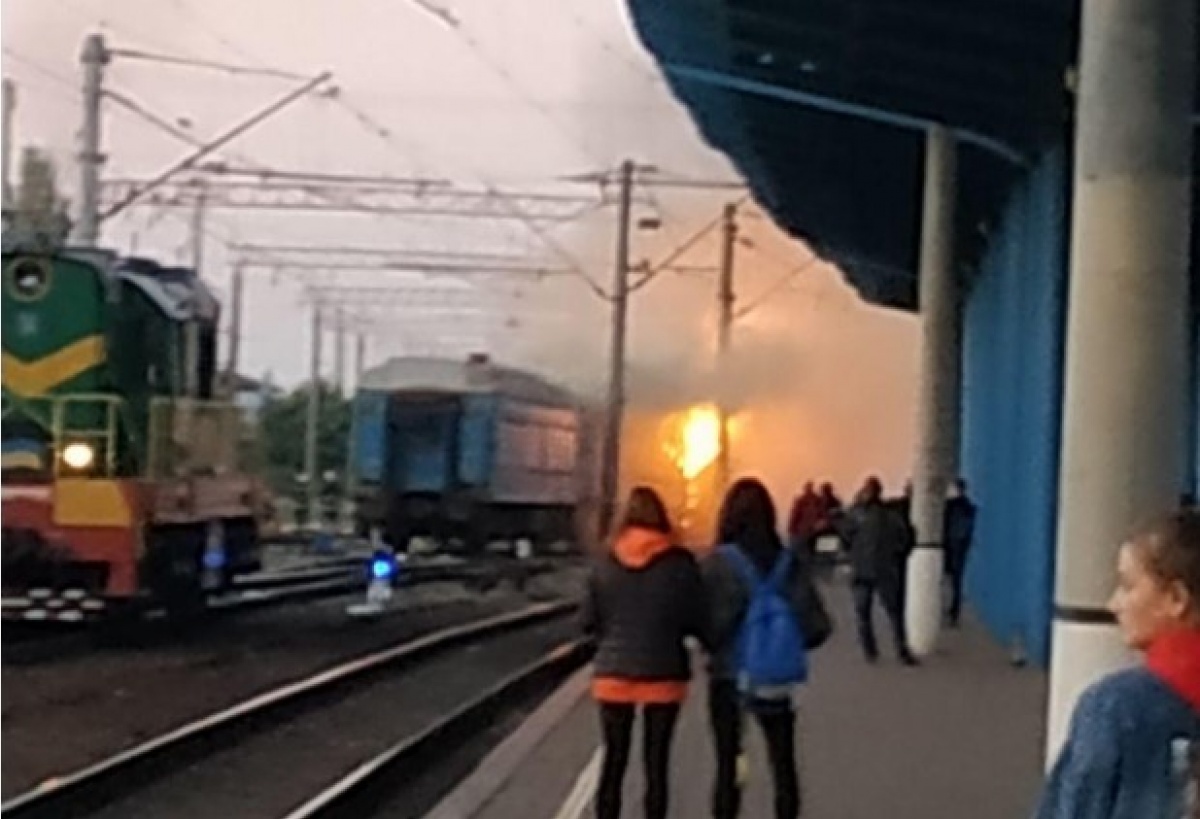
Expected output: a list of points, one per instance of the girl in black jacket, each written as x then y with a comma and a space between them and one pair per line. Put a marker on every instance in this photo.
644, 598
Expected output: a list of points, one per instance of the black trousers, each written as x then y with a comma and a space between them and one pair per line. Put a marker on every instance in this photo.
956, 569
658, 729
778, 724
891, 595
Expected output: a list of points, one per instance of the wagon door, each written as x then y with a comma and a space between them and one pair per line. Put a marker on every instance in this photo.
370, 437
424, 444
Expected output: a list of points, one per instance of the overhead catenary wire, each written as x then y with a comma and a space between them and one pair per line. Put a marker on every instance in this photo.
216, 33
339, 97
150, 117
675, 254
647, 73
761, 299
543, 235
211, 65
34, 65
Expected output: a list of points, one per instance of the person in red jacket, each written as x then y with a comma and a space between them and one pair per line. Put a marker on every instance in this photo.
804, 522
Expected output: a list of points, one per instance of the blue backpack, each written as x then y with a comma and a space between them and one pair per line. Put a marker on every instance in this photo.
770, 656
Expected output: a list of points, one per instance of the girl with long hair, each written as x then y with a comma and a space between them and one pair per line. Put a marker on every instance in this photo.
747, 523
644, 598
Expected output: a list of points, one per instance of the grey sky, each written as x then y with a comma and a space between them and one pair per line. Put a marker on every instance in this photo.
521, 92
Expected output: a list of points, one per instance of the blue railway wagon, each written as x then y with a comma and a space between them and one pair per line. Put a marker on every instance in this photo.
465, 452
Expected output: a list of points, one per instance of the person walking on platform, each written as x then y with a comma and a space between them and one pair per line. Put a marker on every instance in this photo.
1133, 748
643, 599
831, 510
805, 519
901, 505
880, 542
958, 529
765, 614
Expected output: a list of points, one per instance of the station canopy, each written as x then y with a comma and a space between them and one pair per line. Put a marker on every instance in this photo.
822, 105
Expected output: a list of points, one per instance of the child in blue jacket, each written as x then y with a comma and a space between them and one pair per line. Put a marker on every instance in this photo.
1134, 734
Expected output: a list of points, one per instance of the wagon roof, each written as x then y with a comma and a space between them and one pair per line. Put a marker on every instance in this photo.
419, 374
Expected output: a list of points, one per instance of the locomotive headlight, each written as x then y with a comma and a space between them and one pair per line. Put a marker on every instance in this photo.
78, 456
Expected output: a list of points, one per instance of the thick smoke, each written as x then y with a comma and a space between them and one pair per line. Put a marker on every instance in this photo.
821, 385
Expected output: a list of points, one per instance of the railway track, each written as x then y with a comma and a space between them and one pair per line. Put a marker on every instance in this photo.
328, 743
47, 642
379, 786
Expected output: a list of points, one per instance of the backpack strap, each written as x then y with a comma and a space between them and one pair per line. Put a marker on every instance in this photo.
776, 580
742, 564
783, 567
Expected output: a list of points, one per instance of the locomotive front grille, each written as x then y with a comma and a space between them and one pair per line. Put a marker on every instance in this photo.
71, 605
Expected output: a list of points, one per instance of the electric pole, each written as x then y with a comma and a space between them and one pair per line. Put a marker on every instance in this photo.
94, 58
725, 300
360, 357
615, 403
10, 108
350, 479
197, 227
192, 330
339, 351
236, 296
312, 466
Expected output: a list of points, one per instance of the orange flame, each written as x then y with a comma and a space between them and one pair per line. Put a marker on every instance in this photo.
699, 441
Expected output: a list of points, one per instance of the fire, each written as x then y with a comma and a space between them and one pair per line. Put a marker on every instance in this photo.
699, 441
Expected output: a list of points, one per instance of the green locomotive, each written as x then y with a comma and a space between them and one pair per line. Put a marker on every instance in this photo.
123, 478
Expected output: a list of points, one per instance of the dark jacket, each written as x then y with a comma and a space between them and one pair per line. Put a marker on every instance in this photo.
958, 523
728, 598
642, 600
879, 541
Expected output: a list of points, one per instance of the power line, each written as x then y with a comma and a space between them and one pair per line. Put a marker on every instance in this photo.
531, 224
775, 286
454, 24
212, 146
652, 77
41, 69
676, 253
104, 25
408, 150
215, 33
150, 117
211, 65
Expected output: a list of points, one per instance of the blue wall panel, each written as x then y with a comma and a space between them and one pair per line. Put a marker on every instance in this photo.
1012, 390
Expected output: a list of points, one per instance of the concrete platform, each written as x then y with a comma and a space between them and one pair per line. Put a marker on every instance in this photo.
960, 736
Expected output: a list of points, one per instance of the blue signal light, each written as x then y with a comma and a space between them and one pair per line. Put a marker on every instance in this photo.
382, 568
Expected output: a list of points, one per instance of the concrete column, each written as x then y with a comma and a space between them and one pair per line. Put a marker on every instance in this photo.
938, 411
1124, 437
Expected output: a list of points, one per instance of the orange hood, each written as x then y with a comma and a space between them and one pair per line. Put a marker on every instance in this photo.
636, 548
